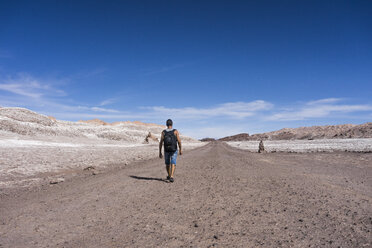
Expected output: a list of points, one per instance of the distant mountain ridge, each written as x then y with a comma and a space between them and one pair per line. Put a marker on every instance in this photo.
314, 132
24, 123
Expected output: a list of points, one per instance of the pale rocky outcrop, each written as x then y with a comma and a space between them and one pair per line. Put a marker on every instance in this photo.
25, 123
150, 138
309, 133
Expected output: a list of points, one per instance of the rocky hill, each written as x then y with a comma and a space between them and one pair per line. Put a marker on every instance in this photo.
36, 148
207, 140
237, 137
310, 133
23, 123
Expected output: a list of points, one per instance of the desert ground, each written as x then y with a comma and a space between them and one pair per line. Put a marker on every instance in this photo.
24, 163
221, 197
37, 149
320, 145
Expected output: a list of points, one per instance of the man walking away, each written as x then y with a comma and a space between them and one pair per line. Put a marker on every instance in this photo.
170, 137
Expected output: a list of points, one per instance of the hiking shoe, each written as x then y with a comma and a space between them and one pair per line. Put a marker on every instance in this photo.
171, 180
168, 177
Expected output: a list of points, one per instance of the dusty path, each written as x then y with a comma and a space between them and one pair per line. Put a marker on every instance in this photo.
221, 197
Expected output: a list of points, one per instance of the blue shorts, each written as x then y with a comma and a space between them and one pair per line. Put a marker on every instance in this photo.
170, 157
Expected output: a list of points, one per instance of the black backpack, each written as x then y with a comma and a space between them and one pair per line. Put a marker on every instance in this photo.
170, 141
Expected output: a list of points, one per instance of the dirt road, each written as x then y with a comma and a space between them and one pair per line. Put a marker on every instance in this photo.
221, 197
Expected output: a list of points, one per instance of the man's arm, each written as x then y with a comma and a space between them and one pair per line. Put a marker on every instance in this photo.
161, 145
179, 141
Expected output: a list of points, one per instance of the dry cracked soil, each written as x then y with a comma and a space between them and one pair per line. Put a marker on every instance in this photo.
221, 197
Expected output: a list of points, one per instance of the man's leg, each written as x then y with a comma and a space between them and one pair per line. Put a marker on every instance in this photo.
173, 163
168, 167
172, 169
167, 163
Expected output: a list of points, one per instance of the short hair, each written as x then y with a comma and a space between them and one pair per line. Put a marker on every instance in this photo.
169, 122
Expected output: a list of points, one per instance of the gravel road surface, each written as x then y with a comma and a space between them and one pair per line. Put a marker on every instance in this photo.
221, 197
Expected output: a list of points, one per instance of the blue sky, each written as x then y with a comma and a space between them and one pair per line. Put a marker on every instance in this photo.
215, 67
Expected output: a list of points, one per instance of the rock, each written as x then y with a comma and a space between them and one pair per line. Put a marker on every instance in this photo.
261, 147
92, 169
56, 180
150, 139
89, 168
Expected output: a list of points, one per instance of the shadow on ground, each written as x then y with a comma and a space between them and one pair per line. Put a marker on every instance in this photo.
149, 178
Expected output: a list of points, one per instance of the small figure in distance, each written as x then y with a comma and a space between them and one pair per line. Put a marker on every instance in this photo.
261, 148
170, 137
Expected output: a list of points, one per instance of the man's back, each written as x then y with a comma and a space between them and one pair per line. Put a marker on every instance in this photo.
170, 140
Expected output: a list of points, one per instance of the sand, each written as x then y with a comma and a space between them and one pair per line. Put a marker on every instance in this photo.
25, 162
221, 197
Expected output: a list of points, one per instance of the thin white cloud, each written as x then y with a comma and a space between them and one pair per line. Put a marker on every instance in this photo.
211, 131
108, 102
231, 109
30, 92
25, 85
21, 89
98, 109
228, 110
324, 101
323, 108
